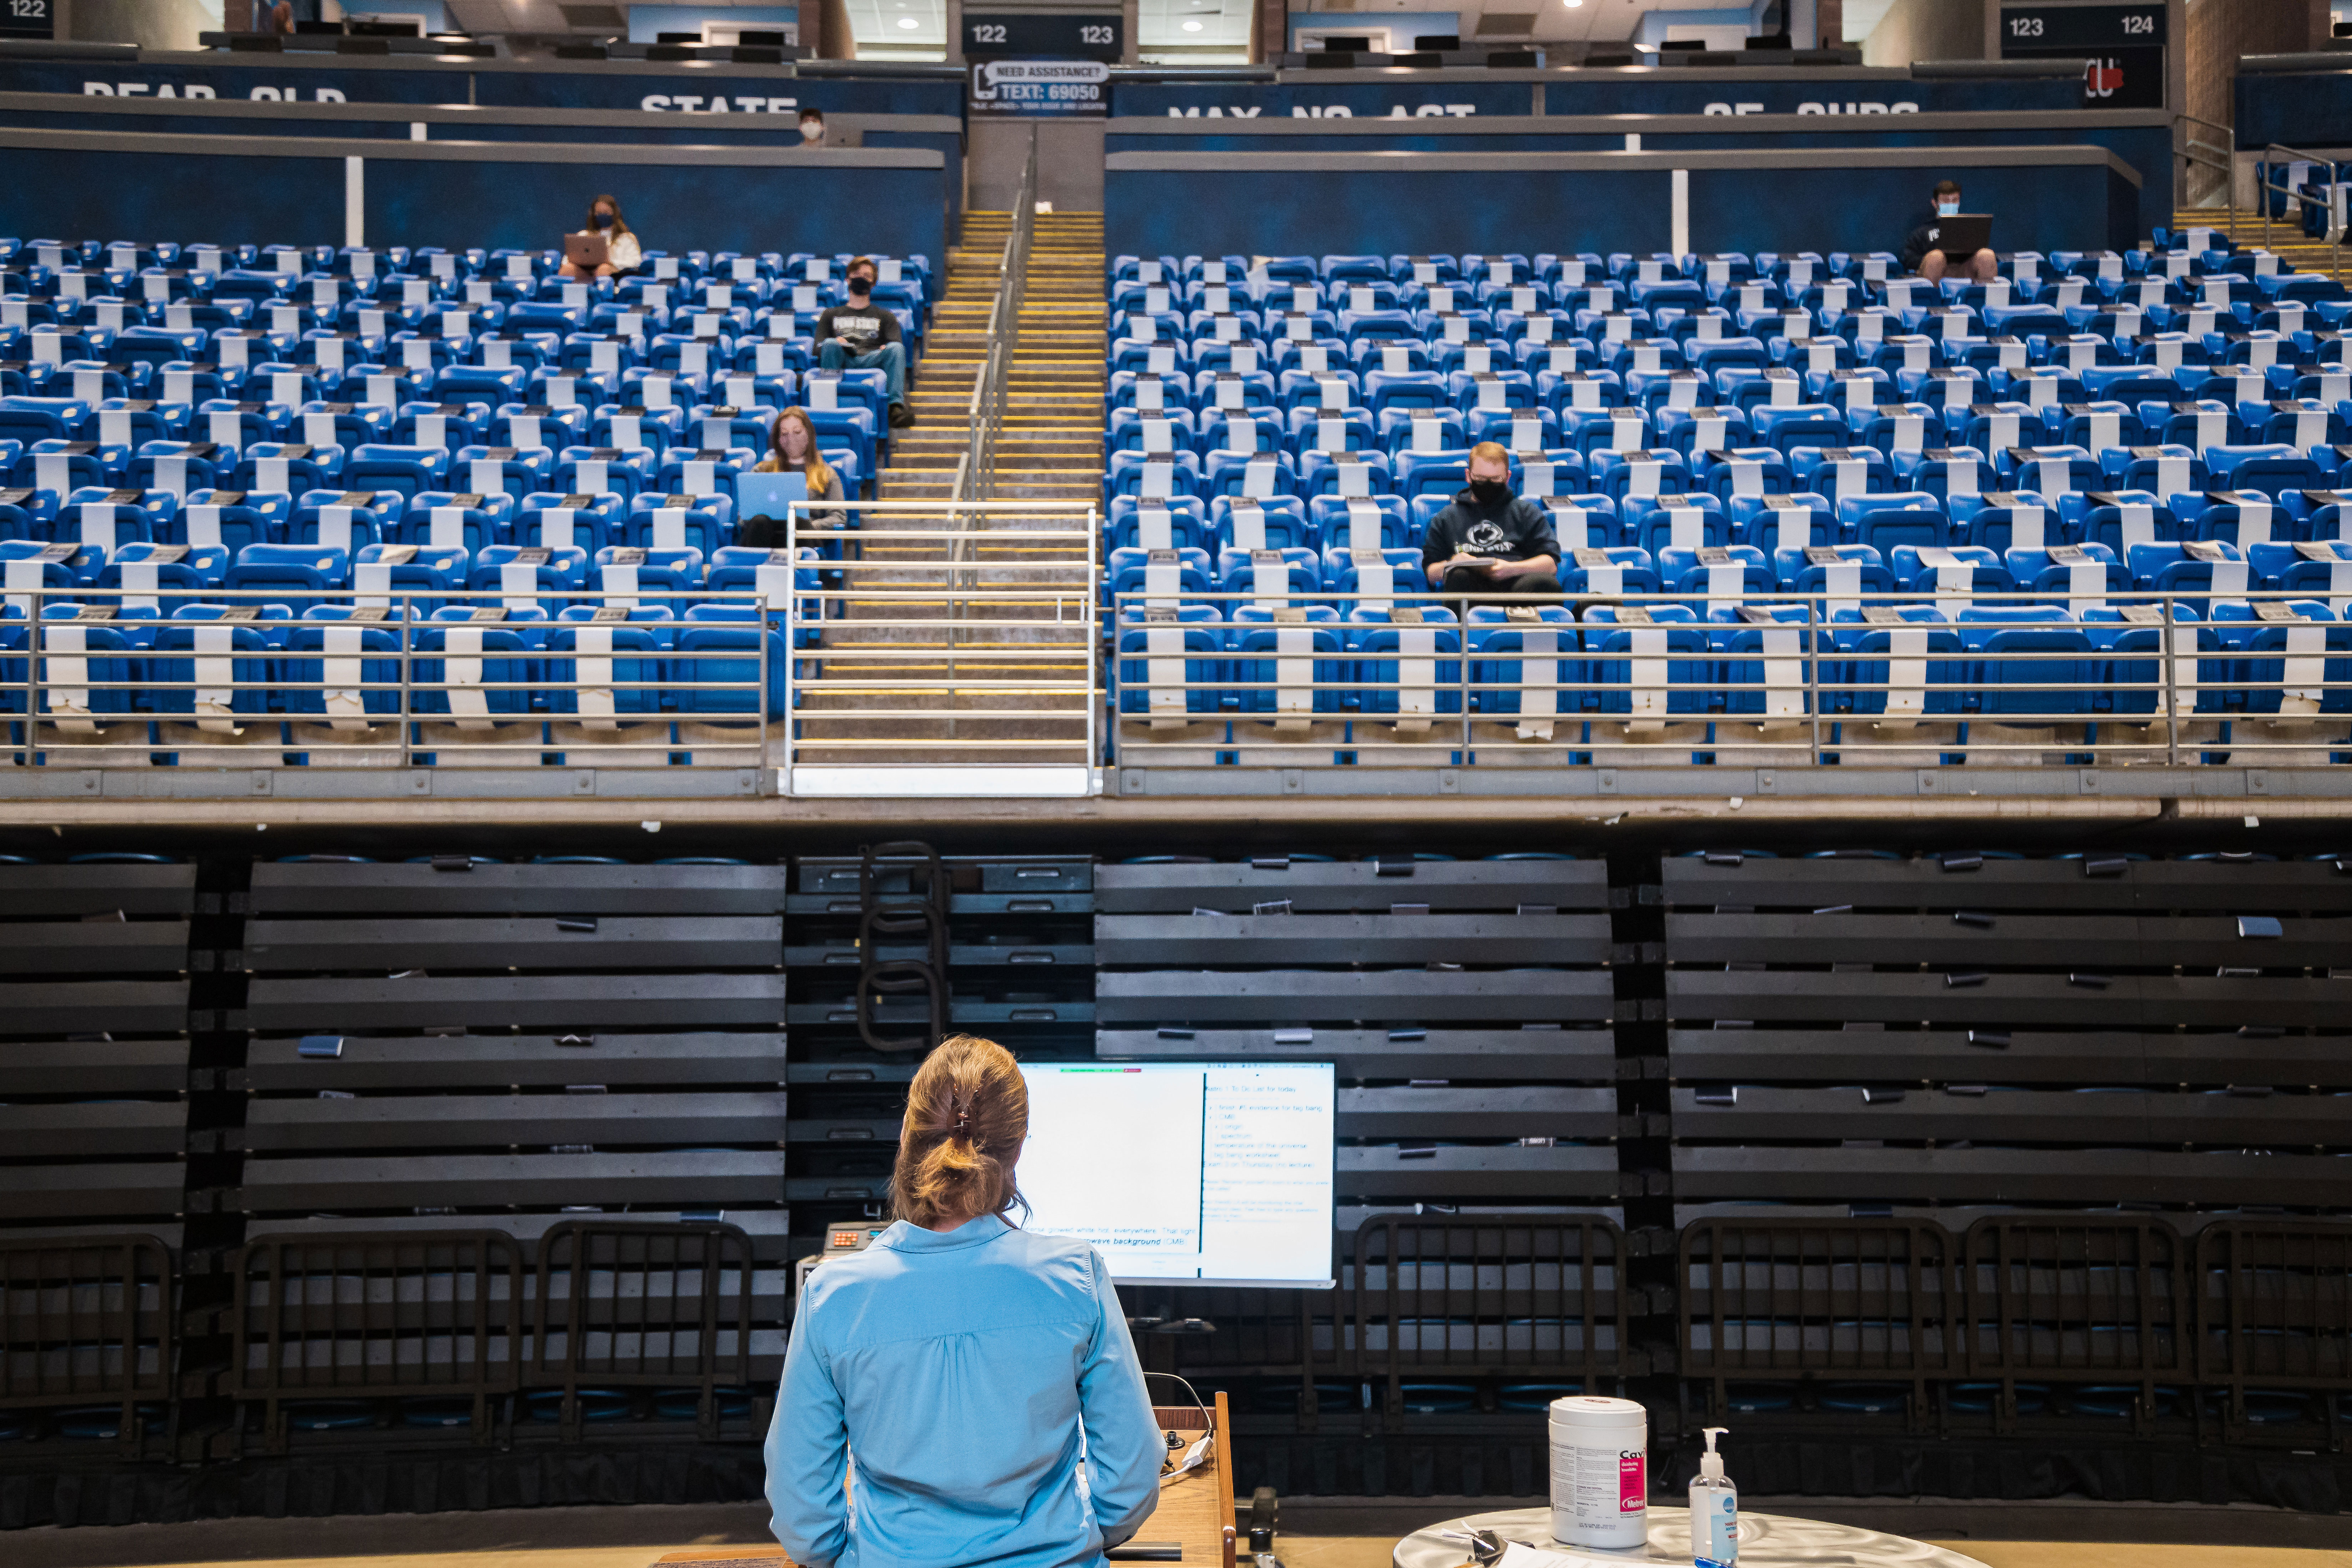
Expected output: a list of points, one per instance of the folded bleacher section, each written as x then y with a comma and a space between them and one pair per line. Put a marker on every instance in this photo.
1887, 1156
1468, 1005
1971, 1137
558, 1083
94, 1138
350, 456
1803, 503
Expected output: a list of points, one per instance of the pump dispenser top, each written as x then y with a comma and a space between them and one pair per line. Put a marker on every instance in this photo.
1710, 1463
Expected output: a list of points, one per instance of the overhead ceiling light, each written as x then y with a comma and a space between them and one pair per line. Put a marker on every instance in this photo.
1191, 26
909, 23
1573, 5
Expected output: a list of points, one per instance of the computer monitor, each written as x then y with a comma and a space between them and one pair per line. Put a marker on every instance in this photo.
1185, 1173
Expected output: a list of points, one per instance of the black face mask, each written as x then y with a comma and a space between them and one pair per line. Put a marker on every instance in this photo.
1491, 492
860, 287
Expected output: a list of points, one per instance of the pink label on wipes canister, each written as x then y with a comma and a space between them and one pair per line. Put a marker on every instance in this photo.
1632, 1480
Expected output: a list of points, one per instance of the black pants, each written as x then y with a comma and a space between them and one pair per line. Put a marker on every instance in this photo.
1470, 580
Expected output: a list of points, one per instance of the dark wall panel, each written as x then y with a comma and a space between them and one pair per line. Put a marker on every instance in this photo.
1218, 211
2080, 207
677, 207
224, 198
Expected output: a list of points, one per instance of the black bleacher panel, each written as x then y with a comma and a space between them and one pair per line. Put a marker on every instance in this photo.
1467, 1007
456, 1037
894, 947
87, 1321
2088, 1301
2274, 1312
1816, 1302
1972, 1029
94, 1026
672, 1309
1546, 1301
430, 1323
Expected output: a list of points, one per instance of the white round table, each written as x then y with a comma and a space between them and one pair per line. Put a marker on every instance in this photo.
1764, 1538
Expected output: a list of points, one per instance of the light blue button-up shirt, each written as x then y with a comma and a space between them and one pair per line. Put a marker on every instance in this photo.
960, 1373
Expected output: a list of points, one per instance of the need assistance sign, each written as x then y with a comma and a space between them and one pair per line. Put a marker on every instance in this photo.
1042, 87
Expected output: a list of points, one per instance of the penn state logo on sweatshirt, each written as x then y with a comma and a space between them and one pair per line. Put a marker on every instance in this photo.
1485, 539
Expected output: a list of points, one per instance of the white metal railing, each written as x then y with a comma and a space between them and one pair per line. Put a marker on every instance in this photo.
2159, 683
984, 414
962, 630
92, 678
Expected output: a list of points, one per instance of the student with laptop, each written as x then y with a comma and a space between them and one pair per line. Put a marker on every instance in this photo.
862, 335
793, 470
1949, 238
608, 248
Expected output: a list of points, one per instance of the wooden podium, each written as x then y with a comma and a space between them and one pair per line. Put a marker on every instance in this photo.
1195, 1510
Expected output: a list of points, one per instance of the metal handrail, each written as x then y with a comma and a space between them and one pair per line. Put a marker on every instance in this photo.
985, 416
2189, 148
2333, 239
1451, 704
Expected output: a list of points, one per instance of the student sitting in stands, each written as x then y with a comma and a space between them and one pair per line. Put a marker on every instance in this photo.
622, 253
863, 335
983, 1375
1921, 253
1490, 541
791, 449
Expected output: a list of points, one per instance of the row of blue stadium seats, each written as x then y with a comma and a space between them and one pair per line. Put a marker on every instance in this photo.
2230, 295
1950, 474
101, 534
2087, 358
296, 468
1726, 574
427, 576
2202, 248
51, 267
415, 336
1732, 372
430, 259
140, 360
1401, 431
841, 408
2025, 665
1996, 520
495, 664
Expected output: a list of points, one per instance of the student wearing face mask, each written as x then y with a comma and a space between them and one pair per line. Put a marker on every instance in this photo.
812, 128
1924, 255
621, 252
1490, 541
863, 335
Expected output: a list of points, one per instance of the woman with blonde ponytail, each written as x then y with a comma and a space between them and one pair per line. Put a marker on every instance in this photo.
980, 1377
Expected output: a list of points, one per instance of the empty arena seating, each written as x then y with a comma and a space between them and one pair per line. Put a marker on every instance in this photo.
1802, 503
281, 436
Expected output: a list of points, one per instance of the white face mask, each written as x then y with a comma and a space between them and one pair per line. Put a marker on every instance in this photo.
1947, 209
812, 130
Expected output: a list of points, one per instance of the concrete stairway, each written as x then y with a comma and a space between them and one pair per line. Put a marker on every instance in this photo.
984, 661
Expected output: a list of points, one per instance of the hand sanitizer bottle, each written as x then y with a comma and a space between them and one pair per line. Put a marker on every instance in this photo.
1713, 1510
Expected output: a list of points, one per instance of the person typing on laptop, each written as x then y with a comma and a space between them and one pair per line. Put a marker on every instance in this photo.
791, 449
863, 335
1927, 251
621, 252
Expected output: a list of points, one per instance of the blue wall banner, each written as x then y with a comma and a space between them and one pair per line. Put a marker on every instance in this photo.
327, 79
1390, 94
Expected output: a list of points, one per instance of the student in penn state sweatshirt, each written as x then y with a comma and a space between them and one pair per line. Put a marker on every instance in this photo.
1490, 541
862, 335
